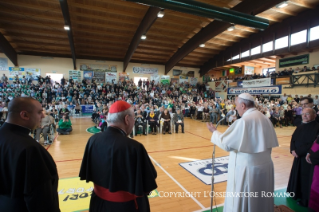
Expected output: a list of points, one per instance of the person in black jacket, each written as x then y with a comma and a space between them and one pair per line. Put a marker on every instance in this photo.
120, 168
28, 173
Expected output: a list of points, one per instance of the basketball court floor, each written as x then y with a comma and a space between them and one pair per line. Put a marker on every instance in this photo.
181, 161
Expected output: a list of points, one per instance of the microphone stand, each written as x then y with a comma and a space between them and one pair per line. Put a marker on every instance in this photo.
213, 164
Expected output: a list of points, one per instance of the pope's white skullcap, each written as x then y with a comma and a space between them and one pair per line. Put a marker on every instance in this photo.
246, 96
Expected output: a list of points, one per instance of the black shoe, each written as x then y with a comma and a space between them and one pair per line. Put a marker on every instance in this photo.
183, 132
169, 133
163, 133
176, 131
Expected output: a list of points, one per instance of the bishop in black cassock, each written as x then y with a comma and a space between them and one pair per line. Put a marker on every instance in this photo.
120, 168
300, 178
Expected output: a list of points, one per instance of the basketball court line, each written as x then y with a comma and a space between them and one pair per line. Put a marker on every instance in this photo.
195, 200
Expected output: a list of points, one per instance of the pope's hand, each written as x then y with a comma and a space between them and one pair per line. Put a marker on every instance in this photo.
210, 127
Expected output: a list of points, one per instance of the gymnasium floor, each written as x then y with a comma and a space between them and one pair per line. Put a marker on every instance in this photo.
166, 152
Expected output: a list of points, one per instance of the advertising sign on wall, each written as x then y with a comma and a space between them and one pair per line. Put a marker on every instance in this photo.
3, 64
76, 75
165, 79
156, 78
183, 79
142, 70
294, 61
249, 70
193, 81
257, 82
259, 90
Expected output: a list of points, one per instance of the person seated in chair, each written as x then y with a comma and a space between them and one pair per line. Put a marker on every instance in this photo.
178, 120
152, 120
140, 121
77, 108
65, 126
167, 121
43, 128
205, 114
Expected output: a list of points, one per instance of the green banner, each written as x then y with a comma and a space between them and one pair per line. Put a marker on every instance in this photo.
294, 61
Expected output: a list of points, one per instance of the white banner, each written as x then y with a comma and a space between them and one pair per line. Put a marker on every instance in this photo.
156, 78
221, 86
257, 83
193, 81
202, 169
110, 76
3, 64
142, 70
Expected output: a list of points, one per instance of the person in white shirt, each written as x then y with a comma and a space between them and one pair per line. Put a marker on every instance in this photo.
316, 99
249, 140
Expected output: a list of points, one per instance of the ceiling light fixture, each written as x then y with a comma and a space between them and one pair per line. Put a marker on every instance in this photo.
231, 28
143, 37
282, 4
202, 45
66, 27
160, 14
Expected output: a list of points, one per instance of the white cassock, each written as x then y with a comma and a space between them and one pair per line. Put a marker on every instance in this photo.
250, 169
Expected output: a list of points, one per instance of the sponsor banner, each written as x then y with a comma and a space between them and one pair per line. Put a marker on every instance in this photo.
32, 73
87, 108
156, 78
259, 90
202, 169
110, 77
99, 76
183, 79
123, 77
282, 80
142, 70
165, 79
257, 83
76, 75
88, 75
294, 61
3, 64
193, 81
13, 71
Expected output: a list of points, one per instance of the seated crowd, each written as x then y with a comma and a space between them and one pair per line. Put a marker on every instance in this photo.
156, 105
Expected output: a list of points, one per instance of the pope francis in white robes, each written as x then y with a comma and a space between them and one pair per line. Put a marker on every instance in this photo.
249, 141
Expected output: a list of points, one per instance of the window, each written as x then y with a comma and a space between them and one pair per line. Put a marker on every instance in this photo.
267, 46
314, 33
299, 37
281, 42
255, 50
245, 54
235, 57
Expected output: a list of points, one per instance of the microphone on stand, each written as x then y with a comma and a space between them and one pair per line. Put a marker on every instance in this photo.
213, 163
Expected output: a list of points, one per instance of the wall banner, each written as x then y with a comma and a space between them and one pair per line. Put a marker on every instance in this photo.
221, 86
142, 70
165, 79
123, 76
13, 71
193, 81
76, 75
156, 78
99, 76
183, 79
88, 75
294, 61
33, 72
110, 77
259, 90
257, 83
3, 64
